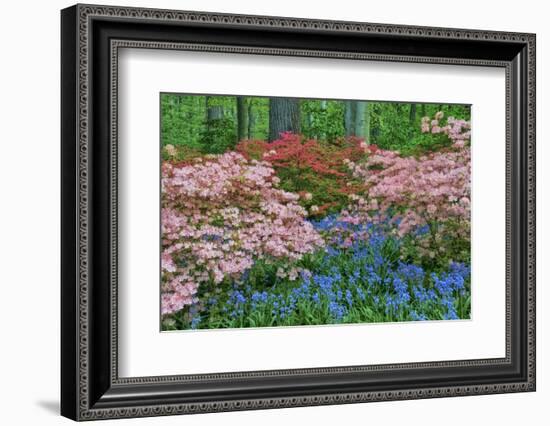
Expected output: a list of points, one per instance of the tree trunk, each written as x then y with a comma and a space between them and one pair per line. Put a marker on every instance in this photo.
367, 124
309, 122
412, 114
423, 110
251, 119
242, 118
360, 119
284, 116
213, 113
412, 120
323, 135
349, 117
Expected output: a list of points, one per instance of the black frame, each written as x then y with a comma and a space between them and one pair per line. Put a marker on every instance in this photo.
91, 37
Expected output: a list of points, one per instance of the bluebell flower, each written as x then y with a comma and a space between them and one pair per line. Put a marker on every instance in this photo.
195, 322
305, 274
391, 305
316, 298
237, 297
447, 283
451, 315
258, 297
332, 252
326, 223
460, 269
378, 260
336, 310
442, 284
410, 272
236, 313
349, 298
402, 290
420, 294
422, 230
418, 317
285, 311
448, 303
360, 253
245, 275
325, 283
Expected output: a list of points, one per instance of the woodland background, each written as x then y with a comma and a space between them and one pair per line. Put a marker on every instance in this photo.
213, 124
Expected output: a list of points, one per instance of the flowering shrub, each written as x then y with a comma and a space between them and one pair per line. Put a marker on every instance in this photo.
293, 150
220, 214
310, 167
438, 133
430, 193
458, 131
433, 188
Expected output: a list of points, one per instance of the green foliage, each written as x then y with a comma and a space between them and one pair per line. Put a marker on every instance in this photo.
259, 125
218, 136
322, 120
390, 125
325, 190
182, 118
435, 249
179, 153
424, 143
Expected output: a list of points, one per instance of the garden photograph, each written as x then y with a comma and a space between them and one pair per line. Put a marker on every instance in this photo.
279, 212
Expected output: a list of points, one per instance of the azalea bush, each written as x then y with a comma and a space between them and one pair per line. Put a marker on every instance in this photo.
219, 215
310, 168
427, 198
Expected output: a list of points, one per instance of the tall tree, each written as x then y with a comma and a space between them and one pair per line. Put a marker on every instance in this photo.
412, 114
284, 116
323, 111
412, 120
367, 124
360, 119
251, 119
309, 122
242, 119
213, 111
349, 117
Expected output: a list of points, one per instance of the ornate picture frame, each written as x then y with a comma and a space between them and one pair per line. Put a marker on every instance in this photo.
91, 37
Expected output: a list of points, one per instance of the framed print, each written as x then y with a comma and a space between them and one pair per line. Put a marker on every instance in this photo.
263, 212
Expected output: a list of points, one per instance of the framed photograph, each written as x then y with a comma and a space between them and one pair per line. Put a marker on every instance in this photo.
263, 212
